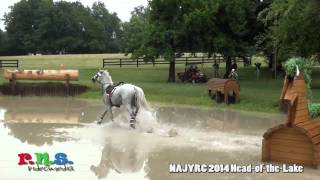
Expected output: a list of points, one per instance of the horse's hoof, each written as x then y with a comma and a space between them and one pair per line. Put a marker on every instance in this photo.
150, 130
132, 126
99, 122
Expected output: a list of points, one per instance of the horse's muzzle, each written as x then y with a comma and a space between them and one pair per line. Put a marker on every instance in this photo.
93, 79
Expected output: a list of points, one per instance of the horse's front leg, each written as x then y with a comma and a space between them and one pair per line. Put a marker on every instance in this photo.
103, 115
111, 114
107, 108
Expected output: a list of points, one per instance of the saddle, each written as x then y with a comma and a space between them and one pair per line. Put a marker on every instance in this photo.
110, 89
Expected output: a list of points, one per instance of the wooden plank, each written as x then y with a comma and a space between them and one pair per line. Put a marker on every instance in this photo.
215, 83
265, 150
289, 143
217, 86
299, 83
301, 106
300, 119
302, 103
299, 88
312, 125
291, 139
290, 130
314, 132
285, 149
289, 161
295, 156
316, 139
295, 137
304, 123
303, 112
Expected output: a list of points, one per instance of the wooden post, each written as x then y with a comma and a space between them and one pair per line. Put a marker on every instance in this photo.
137, 63
13, 83
120, 62
226, 97
153, 63
265, 151
67, 84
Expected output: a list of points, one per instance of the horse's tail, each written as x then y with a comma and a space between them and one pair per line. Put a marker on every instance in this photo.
141, 99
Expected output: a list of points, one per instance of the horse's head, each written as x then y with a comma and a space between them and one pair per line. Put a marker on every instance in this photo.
102, 77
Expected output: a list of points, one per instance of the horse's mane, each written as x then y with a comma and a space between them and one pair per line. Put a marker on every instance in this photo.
107, 75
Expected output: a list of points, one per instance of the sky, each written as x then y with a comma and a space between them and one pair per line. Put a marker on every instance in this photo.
122, 7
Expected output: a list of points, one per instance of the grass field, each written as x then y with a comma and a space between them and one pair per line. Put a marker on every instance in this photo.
262, 95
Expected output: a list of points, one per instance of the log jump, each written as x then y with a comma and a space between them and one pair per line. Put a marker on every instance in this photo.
53, 75
67, 75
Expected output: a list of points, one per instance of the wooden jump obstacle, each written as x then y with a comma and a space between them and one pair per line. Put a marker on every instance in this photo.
222, 88
49, 75
298, 140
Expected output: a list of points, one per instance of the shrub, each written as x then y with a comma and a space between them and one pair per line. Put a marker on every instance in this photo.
314, 109
304, 66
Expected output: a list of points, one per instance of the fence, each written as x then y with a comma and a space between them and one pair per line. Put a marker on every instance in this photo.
9, 63
181, 60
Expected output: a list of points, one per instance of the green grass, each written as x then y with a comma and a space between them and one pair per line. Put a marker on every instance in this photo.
262, 95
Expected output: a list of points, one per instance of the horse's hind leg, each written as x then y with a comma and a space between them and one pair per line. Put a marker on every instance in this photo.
133, 114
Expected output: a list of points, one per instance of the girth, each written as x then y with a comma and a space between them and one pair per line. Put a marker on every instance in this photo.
110, 89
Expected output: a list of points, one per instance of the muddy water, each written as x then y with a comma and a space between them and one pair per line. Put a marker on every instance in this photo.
113, 151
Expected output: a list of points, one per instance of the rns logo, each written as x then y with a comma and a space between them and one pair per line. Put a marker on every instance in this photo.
43, 162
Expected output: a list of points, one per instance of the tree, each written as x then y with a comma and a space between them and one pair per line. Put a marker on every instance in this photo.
61, 27
110, 27
294, 26
3, 42
24, 24
134, 32
234, 29
169, 27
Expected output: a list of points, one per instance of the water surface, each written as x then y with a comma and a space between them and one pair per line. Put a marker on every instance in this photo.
114, 151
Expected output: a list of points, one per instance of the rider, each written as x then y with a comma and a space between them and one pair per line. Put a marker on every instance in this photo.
233, 75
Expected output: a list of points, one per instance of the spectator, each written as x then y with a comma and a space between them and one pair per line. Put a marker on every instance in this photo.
215, 69
258, 67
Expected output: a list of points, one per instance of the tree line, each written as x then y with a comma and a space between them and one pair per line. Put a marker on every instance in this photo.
44, 26
277, 29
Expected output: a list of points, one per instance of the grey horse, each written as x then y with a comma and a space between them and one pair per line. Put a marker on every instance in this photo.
128, 95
